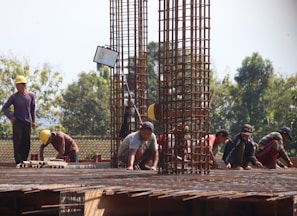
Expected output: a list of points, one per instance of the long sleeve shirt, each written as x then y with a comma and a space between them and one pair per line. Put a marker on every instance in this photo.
63, 143
23, 107
249, 151
277, 138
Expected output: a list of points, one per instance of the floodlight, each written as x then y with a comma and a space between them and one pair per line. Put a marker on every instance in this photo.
106, 56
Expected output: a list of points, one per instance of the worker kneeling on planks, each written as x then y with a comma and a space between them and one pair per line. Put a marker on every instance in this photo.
139, 148
62, 142
271, 148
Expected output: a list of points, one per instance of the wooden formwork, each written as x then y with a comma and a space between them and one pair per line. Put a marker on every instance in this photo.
122, 192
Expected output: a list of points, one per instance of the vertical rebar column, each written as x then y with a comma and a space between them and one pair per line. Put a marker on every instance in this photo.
129, 77
184, 82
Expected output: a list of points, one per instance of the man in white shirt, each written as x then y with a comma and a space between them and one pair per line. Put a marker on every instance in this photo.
140, 148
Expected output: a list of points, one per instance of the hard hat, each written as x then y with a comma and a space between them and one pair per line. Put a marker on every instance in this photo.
44, 136
151, 112
287, 131
20, 79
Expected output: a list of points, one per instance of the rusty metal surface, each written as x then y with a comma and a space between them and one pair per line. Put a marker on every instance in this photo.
269, 185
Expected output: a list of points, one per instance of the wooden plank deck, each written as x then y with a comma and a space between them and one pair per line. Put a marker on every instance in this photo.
258, 185
231, 184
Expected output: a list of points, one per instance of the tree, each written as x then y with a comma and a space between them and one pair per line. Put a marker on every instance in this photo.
44, 83
153, 74
85, 104
292, 117
46, 86
253, 80
282, 110
259, 97
220, 103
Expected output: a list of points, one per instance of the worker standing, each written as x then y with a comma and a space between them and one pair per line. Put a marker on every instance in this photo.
139, 148
22, 118
62, 142
176, 141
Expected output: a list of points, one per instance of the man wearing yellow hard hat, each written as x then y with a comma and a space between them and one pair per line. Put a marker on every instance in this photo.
22, 118
62, 142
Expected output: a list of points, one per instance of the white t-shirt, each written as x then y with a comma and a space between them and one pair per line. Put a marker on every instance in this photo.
134, 141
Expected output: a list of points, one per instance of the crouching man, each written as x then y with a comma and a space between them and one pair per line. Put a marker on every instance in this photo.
272, 148
62, 142
139, 148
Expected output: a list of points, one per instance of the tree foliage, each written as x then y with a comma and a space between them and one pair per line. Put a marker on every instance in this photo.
259, 97
43, 82
220, 102
85, 104
46, 86
253, 80
153, 73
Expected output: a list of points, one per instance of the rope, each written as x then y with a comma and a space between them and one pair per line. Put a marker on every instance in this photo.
129, 92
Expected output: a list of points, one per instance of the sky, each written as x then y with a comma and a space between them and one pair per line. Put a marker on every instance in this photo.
65, 33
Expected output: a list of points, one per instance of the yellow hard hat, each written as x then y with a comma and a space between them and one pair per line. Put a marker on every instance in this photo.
151, 112
20, 79
44, 136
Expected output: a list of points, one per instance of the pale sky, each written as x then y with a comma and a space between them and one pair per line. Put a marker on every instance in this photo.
65, 33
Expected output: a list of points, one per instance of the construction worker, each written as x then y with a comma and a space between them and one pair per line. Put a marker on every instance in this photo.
175, 139
139, 148
271, 147
214, 141
62, 142
22, 118
241, 150
181, 144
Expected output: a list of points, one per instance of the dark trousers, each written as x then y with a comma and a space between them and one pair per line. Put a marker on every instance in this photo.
74, 157
238, 156
21, 141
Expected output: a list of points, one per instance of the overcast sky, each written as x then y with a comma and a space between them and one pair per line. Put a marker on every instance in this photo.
65, 33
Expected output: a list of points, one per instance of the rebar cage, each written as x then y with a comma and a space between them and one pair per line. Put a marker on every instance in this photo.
129, 77
184, 79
